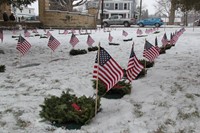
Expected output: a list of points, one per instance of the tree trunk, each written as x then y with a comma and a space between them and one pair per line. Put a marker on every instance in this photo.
172, 12
186, 18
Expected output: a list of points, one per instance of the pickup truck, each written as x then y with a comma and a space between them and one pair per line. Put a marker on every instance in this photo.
118, 20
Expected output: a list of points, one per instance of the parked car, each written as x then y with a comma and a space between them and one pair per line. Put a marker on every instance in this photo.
118, 20
150, 21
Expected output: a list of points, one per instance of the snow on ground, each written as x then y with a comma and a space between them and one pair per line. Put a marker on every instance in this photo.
167, 98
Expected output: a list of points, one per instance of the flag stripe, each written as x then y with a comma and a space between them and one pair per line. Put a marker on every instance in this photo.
150, 52
23, 46
53, 43
107, 70
134, 67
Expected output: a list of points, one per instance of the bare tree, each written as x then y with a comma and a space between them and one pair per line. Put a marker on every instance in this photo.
66, 5
162, 8
167, 8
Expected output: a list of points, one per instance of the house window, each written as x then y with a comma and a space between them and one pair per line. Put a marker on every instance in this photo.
125, 6
107, 5
29, 11
116, 6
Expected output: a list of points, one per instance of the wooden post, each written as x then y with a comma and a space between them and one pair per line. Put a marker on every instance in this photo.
97, 80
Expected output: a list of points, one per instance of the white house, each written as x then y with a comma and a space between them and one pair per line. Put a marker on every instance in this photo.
125, 8
24, 13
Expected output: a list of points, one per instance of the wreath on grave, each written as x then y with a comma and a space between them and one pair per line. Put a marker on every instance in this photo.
162, 50
114, 44
118, 91
126, 40
68, 110
168, 46
92, 48
148, 63
77, 51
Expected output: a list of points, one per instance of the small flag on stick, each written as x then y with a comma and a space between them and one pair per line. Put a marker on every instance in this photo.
23, 45
110, 38
124, 33
164, 40
74, 40
134, 66
150, 52
90, 41
48, 34
106, 69
26, 33
53, 43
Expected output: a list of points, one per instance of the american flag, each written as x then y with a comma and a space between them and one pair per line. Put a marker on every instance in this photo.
139, 32
26, 33
147, 31
14, 31
65, 32
74, 40
172, 41
156, 45
73, 31
1, 35
48, 34
134, 66
23, 45
34, 31
124, 33
164, 40
110, 38
53, 43
150, 52
175, 38
107, 69
90, 41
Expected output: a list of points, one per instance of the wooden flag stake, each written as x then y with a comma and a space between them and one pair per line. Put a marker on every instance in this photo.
97, 81
51, 55
20, 56
145, 59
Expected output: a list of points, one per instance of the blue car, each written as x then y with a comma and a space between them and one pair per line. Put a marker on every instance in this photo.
157, 22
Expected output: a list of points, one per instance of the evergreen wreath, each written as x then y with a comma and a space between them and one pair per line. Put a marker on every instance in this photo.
2, 68
162, 50
68, 110
168, 46
77, 51
95, 48
148, 63
114, 43
126, 40
118, 91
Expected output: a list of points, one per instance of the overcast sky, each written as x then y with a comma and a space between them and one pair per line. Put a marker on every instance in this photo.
147, 4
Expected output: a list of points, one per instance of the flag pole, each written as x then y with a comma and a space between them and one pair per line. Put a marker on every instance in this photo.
20, 56
97, 81
51, 55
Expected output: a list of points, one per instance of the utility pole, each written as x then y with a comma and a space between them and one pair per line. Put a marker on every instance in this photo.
102, 4
140, 10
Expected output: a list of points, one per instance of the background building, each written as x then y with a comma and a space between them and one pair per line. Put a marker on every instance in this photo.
125, 8
24, 13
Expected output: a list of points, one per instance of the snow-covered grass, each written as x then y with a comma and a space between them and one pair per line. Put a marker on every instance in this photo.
166, 100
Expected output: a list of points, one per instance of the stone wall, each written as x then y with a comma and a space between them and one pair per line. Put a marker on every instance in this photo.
64, 19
